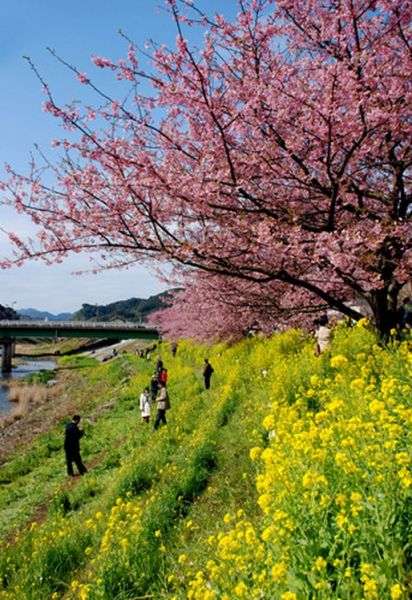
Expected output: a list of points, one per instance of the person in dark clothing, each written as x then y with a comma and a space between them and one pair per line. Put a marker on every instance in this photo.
207, 373
159, 366
405, 314
72, 446
163, 404
154, 387
173, 348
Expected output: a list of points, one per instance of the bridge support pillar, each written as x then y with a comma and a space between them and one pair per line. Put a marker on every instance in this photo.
8, 346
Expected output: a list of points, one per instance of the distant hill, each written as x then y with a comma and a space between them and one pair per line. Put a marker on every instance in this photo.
134, 309
8, 313
41, 315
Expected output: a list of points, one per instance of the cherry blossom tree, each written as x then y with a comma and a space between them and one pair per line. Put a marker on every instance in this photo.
275, 158
211, 307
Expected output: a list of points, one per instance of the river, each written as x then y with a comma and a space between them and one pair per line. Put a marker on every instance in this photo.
21, 370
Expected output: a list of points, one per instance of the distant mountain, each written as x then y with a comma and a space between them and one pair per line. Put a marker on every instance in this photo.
134, 309
41, 315
8, 313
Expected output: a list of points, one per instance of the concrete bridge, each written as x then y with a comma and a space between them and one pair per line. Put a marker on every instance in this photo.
113, 330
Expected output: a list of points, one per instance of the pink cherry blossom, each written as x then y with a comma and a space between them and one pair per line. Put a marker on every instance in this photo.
272, 167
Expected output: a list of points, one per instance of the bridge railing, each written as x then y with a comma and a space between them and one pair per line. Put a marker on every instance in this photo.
109, 325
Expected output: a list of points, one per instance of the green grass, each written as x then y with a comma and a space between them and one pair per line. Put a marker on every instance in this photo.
147, 519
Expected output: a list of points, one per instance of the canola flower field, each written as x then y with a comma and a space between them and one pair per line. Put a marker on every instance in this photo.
289, 479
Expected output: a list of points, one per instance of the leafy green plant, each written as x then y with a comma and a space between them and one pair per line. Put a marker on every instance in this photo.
41, 377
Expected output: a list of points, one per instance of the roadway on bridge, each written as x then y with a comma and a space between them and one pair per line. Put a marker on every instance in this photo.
77, 329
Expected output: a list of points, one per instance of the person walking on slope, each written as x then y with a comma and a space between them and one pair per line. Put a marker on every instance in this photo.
145, 405
163, 404
207, 373
72, 446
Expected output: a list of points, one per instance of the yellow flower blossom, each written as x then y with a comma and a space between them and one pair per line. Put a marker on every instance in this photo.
255, 453
240, 590
288, 596
396, 592
278, 572
269, 422
338, 361
357, 385
320, 564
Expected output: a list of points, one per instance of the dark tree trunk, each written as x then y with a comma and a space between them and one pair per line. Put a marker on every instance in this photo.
383, 304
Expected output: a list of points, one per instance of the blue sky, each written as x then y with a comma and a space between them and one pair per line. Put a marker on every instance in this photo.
76, 29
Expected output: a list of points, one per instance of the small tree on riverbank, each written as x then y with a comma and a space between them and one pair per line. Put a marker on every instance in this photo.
279, 155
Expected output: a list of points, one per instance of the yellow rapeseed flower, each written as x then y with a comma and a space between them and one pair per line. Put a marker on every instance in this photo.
288, 596
338, 361
320, 564
370, 588
357, 385
240, 590
269, 422
402, 458
396, 592
255, 453
278, 572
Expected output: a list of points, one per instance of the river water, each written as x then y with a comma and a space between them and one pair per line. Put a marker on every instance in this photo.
21, 370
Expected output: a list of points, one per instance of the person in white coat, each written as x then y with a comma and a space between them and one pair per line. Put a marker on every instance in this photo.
323, 335
145, 405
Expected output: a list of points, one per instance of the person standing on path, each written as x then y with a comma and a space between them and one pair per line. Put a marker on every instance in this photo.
207, 373
159, 366
145, 405
72, 446
154, 387
163, 404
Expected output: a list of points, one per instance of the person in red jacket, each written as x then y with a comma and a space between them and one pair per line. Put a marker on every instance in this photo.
163, 376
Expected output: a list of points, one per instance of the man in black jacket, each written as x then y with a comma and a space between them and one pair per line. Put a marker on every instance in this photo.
72, 446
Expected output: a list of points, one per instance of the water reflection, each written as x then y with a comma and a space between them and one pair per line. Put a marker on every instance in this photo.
21, 370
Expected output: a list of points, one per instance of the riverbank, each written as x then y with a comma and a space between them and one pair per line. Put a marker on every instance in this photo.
31, 409
16, 433
43, 406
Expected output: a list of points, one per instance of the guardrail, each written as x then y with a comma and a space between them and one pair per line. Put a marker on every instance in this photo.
109, 325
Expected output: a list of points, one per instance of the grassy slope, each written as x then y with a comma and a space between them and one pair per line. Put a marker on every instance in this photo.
147, 520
